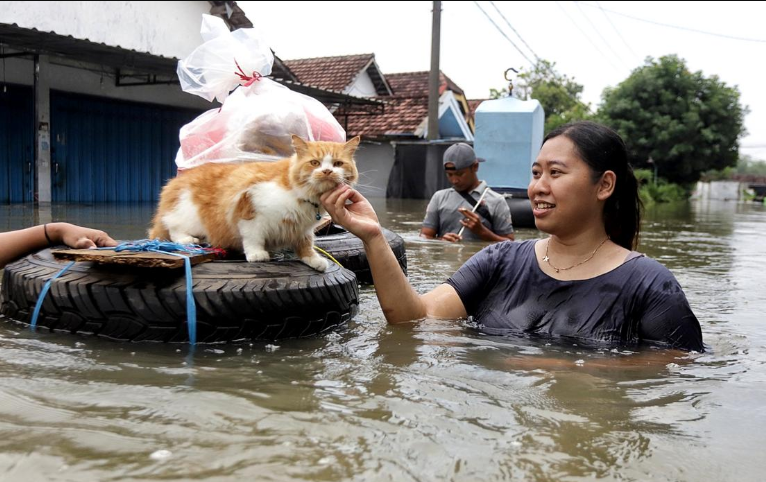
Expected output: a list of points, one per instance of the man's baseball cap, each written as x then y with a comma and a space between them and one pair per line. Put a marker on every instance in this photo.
461, 155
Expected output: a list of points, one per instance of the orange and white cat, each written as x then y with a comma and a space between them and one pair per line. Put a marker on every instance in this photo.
258, 206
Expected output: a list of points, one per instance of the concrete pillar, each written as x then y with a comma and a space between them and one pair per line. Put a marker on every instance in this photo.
42, 130
434, 170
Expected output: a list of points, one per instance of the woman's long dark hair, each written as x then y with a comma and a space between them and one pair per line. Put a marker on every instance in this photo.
604, 150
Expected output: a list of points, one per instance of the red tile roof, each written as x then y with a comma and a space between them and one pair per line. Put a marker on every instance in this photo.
404, 111
333, 73
472, 105
415, 84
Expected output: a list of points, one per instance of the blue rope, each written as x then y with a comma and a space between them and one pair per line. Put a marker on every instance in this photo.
167, 247
44, 292
157, 246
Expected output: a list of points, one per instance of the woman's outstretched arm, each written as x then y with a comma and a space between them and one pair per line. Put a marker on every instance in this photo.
397, 298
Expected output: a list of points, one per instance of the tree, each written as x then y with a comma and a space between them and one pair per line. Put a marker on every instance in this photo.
686, 122
558, 94
749, 166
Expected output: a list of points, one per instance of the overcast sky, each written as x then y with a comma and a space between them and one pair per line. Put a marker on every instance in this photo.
589, 41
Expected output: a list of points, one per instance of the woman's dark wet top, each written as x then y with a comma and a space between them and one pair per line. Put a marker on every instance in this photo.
503, 288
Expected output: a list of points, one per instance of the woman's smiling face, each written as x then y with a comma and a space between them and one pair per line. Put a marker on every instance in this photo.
562, 191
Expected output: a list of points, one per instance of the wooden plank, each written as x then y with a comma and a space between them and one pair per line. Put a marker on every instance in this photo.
143, 259
326, 221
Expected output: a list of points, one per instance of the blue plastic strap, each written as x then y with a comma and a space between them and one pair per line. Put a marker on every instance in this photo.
46, 287
167, 247
191, 308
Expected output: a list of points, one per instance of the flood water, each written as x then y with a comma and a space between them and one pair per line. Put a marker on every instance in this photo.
432, 401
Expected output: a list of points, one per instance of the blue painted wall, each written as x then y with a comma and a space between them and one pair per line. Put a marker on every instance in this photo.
509, 133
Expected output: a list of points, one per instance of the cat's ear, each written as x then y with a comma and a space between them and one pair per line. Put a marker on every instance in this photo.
299, 144
351, 145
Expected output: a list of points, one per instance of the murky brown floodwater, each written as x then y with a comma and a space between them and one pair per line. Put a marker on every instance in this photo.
435, 401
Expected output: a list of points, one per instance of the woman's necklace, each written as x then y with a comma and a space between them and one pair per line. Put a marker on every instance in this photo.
548, 260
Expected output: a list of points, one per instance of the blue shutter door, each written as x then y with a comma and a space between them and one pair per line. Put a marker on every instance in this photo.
16, 144
112, 151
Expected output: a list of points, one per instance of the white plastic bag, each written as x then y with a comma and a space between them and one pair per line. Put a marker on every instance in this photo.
257, 119
211, 71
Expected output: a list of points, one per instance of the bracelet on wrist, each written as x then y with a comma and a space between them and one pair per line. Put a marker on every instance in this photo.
45, 230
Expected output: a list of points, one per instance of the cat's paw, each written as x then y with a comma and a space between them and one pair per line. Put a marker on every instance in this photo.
317, 262
186, 240
256, 255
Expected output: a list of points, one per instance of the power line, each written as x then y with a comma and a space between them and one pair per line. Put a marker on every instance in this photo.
688, 29
503, 33
540, 62
566, 14
618, 32
600, 36
537, 57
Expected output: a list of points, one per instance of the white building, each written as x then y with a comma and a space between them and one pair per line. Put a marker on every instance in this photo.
90, 105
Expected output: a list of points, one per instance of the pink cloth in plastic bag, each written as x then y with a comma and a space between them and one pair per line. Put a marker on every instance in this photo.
257, 119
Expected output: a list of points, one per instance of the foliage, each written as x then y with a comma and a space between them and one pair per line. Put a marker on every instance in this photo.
686, 122
718, 174
643, 175
498, 94
659, 192
751, 167
662, 192
746, 168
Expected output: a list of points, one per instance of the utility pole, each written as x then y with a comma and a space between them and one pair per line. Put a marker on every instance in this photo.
433, 76
433, 171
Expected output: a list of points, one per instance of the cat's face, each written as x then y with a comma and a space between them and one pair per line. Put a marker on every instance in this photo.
320, 166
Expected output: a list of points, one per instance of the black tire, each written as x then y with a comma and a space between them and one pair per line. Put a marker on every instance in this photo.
349, 250
235, 300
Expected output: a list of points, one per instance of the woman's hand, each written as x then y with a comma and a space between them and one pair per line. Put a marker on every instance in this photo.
358, 217
79, 237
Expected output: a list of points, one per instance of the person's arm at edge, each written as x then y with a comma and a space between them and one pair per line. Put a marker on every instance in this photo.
397, 298
431, 221
15, 244
428, 233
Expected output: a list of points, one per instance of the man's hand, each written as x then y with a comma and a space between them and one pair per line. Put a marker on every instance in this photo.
452, 237
472, 222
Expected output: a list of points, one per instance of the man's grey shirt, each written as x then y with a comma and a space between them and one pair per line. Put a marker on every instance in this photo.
443, 217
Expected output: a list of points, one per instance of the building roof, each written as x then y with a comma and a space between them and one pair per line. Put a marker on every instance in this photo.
32, 41
231, 13
334, 73
280, 70
140, 68
472, 105
415, 84
404, 111
338, 72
